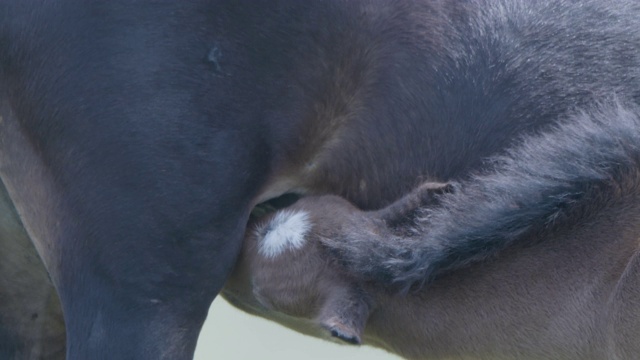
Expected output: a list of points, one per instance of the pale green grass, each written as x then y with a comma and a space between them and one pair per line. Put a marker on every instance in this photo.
230, 334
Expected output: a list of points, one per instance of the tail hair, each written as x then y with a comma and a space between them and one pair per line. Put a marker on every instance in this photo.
529, 188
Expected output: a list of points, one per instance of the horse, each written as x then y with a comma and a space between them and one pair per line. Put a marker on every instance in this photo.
568, 290
137, 138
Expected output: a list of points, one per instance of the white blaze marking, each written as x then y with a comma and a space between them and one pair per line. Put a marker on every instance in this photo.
285, 231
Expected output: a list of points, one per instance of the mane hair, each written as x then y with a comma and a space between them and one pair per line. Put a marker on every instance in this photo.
535, 186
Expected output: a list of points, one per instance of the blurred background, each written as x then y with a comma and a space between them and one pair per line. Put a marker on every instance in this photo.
230, 334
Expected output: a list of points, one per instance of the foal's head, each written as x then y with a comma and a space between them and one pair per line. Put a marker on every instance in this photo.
285, 273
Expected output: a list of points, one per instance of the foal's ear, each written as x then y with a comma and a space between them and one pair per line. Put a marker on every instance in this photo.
345, 314
403, 211
437, 188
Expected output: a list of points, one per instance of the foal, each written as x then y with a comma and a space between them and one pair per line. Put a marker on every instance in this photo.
568, 289
555, 300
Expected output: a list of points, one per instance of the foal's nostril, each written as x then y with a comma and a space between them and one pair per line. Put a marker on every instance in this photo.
348, 338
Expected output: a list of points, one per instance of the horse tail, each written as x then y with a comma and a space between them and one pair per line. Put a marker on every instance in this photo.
529, 189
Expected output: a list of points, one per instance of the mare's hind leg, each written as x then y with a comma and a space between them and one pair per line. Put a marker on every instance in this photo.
137, 252
31, 323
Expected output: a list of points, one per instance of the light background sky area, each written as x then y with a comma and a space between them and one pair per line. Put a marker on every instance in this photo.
230, 334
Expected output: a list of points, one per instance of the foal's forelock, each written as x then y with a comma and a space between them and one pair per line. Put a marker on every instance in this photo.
286, 230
